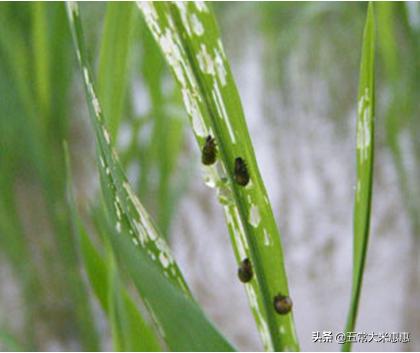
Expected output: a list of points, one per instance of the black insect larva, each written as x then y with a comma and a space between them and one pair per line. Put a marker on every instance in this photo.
209, 152
282, 304
245, 271
241, 172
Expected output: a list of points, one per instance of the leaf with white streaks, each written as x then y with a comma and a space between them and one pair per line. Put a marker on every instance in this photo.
135, 240
188, 36
365, 152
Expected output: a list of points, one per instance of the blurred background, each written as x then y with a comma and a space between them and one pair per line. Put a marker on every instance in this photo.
296, 66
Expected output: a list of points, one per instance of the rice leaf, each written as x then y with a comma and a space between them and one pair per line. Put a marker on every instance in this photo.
365, 153
41, 55
188, 36
137, 335
113, 61
122, 204
182, 322
130, 331
144, 253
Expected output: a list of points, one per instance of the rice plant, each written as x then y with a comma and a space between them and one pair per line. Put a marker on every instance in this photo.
110, 112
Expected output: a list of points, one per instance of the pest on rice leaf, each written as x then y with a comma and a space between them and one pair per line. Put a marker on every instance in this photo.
245, 271
282, 304
209, 152
241, 172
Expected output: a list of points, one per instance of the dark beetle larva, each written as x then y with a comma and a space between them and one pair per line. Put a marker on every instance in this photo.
241, 172
209, 152
245, 271
282, 304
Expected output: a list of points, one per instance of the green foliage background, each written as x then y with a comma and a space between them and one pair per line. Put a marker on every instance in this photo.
58, 242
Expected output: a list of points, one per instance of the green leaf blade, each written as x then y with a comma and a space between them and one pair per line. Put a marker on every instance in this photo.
364, 157
182, 322
113, 61
188, 36
144, 253
122, 204
133, 333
